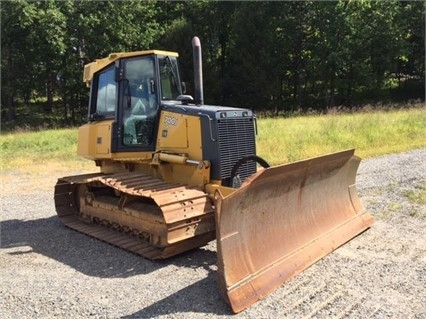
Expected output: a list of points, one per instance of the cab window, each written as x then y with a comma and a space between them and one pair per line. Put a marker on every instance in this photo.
169, 78
140, 102
106, 100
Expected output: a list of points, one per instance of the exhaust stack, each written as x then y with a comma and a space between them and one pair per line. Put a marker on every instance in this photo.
198, 71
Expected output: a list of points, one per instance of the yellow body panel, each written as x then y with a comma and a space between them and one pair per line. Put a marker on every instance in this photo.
181, 134
103, 132
178, 135
94, 142
174, 134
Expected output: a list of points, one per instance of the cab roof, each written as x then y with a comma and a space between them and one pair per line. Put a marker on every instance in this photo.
93, 67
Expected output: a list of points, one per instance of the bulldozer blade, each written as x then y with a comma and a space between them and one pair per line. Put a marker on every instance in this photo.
282, 220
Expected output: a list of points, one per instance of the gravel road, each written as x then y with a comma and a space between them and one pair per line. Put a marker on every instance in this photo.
49, 271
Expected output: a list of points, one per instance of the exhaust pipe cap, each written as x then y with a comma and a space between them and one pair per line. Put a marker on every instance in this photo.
198, 71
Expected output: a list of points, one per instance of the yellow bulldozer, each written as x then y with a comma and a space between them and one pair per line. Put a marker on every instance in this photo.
175, 174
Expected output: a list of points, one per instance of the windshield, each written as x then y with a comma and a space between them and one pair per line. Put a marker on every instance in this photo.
169, 78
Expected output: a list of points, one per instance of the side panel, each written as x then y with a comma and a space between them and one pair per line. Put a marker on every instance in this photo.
180, 134
94, 140
85, 145
173, 132
103, 139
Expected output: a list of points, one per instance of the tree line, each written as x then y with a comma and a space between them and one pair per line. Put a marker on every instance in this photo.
275, 56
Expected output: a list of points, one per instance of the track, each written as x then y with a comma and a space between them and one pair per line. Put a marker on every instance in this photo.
136, 212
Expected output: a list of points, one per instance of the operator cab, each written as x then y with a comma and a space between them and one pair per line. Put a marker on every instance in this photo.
130, 89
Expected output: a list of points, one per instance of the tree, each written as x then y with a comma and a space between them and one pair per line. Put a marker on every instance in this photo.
17, 18
279, 56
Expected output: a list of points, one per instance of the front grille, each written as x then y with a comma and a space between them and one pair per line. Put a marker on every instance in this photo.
236, 140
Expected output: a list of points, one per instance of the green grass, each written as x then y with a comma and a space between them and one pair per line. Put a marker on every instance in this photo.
41, 150
417, 196
280, 140
370, 133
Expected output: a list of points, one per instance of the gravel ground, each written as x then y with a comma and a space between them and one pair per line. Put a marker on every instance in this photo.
50, 271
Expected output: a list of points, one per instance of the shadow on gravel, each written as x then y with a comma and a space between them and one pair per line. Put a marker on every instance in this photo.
201, 297
47, 236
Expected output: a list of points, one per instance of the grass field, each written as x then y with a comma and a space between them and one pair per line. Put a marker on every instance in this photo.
370, 133
279, 140
33, 151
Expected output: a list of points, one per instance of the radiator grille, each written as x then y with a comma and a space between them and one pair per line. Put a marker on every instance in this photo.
236, 139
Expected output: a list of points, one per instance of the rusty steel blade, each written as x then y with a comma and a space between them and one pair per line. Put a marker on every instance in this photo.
282, 220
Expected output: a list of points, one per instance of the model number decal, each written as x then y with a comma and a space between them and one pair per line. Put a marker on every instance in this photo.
168, 120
